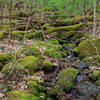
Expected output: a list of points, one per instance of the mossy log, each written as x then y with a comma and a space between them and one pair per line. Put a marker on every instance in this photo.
64, 28
72, 21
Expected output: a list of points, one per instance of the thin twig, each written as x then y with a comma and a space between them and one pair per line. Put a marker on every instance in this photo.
11, 67
43, 35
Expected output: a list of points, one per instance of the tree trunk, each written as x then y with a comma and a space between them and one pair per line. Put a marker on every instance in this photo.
10, 11
5, 10
94, 21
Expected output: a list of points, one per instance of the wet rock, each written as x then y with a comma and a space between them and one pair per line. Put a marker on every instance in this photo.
80, 65
88, 89
69, 47
81, 78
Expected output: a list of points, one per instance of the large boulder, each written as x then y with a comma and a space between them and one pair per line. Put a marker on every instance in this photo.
85, 48
28, 62
4, 59
67, 78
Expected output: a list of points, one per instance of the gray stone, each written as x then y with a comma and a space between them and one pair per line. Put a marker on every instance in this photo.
88, 89
80, 65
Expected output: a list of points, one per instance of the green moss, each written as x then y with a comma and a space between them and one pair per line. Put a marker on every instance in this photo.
53, 41
42, 96
76, 36
31, 35
2, 35
95, 75
67, 78
47, 66
41, 43
79, 18
18, 34
96, 57
49, 98
4, 69
64, 28
53, 53
4, 27
4, 59
32, 50
20, 95
46, 26
85, 48
39, 35
41, 82
34, 87
29, 62
67, 34
55, 91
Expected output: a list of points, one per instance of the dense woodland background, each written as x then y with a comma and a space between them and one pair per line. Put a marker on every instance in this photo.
49, 50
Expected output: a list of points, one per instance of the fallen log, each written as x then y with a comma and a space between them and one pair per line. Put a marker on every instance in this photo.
63, 28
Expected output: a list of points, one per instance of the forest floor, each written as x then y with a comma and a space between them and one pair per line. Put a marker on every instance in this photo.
47, 64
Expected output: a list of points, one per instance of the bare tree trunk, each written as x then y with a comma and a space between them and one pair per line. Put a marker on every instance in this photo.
10, 20
25, 5
5, 10
94, 21
42, 7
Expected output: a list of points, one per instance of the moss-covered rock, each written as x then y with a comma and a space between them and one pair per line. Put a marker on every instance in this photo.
64, 28
67, 78
4, 59
21, 95
41, 82
55, 91
47, 66
95, 75
35, 87
53, 53
31, 35
2, 35
4, 27
66, 35
96, 58
29, 62
85, 48
18, 34
31, 50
